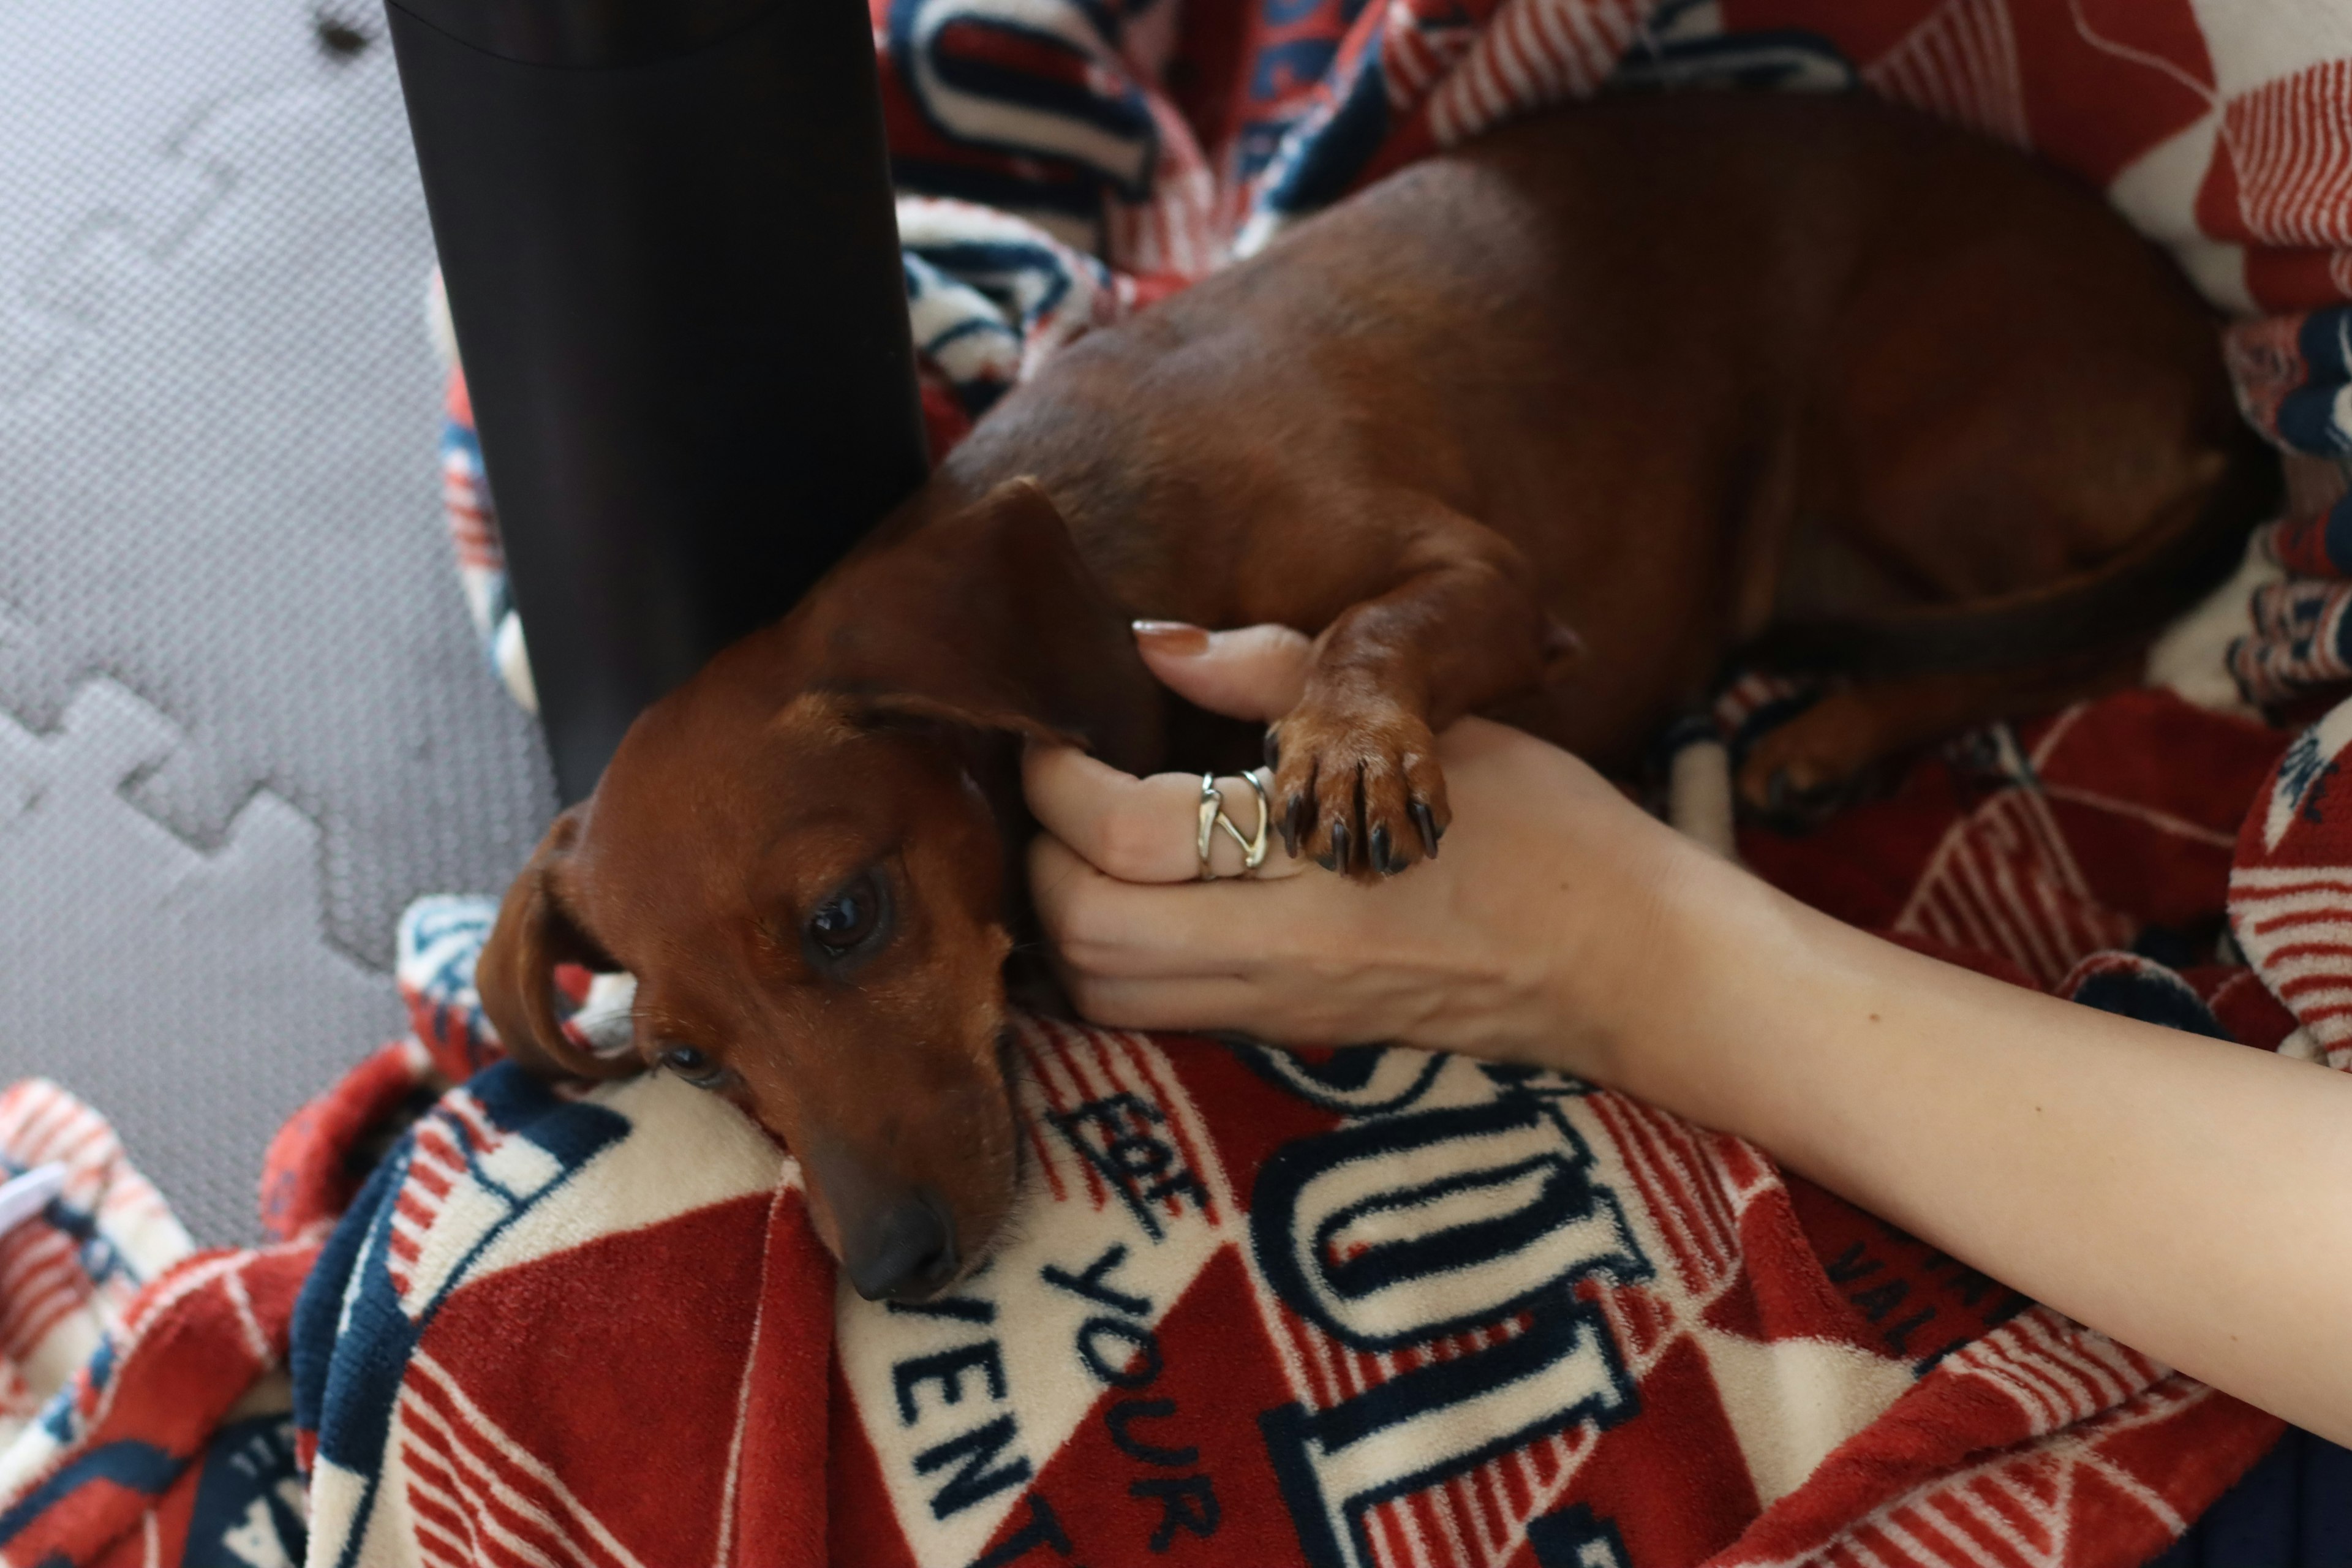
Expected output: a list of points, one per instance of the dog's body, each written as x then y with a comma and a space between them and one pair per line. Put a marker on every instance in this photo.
1665, 372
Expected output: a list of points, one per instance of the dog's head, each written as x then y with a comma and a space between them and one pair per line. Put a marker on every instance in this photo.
802, 856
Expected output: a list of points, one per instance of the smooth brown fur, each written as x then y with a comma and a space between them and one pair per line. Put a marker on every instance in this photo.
1664, 370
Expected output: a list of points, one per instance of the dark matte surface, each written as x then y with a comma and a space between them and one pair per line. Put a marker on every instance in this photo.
677, 289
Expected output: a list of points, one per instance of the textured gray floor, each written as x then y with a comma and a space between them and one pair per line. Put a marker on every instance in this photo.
243, 719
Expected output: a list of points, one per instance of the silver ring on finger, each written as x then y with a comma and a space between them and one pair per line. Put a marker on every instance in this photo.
1253, 846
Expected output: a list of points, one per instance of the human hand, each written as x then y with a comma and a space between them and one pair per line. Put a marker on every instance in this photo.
2159, 1185
1526, 938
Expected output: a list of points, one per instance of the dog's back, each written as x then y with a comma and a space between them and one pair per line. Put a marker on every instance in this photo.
1697, 357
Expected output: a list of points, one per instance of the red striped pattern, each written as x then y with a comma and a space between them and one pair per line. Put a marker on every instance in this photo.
2290, 141
189, 1348
1685, 1187
470, 530
2297, 638
2295, 924
44, 1285
438, 1167
1176, 231
1960, 64
41, 1285
1532, 52
2002, 880
2014, 1510
480, 1500
2057, 1371
1419, 44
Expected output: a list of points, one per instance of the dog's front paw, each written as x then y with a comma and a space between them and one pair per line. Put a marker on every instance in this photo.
1357, 787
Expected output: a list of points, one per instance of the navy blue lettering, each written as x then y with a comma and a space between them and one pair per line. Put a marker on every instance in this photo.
972, 1455
1850, 1265
1114, 1135
1090, 1283
1438, 1420
1876, 1302
1118, 1372
1125, 1413
1186, 1503
946, 1368
1043, 1530
1540, 1207
1898, 1338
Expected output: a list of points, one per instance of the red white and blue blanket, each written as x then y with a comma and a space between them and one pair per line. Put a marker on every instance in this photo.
1371, 1307
1368, 1308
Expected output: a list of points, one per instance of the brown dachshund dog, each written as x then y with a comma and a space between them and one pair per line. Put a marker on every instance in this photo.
1671, 371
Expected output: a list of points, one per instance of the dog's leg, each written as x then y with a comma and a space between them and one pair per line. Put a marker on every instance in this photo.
1358, 787
1808, 766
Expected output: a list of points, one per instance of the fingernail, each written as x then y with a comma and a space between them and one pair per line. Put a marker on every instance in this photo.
1179, 637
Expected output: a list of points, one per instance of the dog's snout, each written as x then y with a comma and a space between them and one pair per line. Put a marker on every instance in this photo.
903, 1251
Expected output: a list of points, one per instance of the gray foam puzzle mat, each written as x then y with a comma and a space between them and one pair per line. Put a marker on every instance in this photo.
243, 717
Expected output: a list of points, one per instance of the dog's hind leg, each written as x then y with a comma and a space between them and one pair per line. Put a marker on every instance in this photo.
1797, 773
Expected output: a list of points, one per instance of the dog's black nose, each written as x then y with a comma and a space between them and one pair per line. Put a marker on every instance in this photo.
904, 1252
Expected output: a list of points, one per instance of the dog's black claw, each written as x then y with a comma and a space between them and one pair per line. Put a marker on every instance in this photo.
1384, 860
1338, 861
1272, 748
1427, 823
1297, 824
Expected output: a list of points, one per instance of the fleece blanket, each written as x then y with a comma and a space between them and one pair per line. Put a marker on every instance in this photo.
1361, 1307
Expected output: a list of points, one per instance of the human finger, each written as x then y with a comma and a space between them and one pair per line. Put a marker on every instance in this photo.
1146, 829
1106, 926
1254, 672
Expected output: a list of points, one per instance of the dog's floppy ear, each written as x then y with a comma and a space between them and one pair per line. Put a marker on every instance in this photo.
1017, 633
515, 974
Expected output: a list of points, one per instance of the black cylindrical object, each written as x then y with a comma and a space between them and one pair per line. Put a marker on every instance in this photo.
666, 234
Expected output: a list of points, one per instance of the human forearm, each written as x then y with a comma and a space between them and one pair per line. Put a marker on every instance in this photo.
2191, 1197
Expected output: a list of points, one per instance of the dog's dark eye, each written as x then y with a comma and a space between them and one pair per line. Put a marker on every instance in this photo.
850, 917
692, 1065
